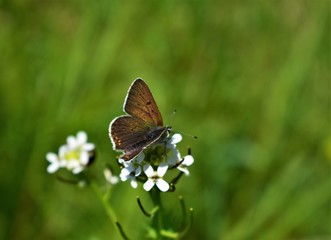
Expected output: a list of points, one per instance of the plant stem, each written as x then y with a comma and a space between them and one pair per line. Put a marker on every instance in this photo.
157, 218
109, 210
104, 200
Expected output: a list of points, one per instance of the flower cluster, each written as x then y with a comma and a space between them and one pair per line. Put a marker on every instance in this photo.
151, 165
74, 156
110, 178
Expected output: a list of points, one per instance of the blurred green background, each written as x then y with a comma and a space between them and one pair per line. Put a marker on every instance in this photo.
250, 78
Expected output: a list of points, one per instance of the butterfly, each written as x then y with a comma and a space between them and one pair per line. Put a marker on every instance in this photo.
141, 126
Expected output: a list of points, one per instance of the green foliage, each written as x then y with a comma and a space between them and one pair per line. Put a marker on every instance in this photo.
250, 79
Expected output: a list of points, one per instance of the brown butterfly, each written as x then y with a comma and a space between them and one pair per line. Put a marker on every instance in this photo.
141, 127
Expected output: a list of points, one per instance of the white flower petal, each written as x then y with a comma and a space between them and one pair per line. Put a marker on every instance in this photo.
134, 183
107, 173
176, 138
138, 171
88, 147
62, 150
52, 157
62, 162
171, 161
81, 137
72, 164
121, 161
149, 171
109, 176
124, 177
184, 170
178, 154
113, 180
83, 159
125, 172
125, 163
149, 184
71, 141
77, 169
188, 160
162, 169
173, 157
130, 168
53, 167
162, 185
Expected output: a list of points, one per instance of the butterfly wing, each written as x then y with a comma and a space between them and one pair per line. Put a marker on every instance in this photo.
140, 103
131, 135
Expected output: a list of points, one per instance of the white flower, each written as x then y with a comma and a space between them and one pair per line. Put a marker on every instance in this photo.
156, 177
188, 161
132, 169
162, 156
110, 177
173, 156
75, 155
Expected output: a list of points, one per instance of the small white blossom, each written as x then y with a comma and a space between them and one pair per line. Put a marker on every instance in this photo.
173, 156
74, 155
110, 177
162, 156
156, 177
188, 161
129, 174
132, 169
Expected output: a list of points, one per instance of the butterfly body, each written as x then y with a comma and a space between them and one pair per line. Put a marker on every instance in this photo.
141, 127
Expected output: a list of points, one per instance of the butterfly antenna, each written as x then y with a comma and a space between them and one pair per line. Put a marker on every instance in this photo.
184, 133
173, 113
176, 131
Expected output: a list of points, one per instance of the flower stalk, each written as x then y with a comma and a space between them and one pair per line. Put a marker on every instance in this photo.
149, 168
147, 214
157, 216
109, 210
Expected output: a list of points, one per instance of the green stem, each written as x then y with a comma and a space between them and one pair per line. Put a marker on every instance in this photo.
104, 200
109, 210
157, 217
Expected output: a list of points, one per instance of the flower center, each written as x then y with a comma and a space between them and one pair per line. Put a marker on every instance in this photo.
156, 154
72, 155
155, 177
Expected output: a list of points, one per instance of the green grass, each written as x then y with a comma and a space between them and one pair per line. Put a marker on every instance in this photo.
250, 79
